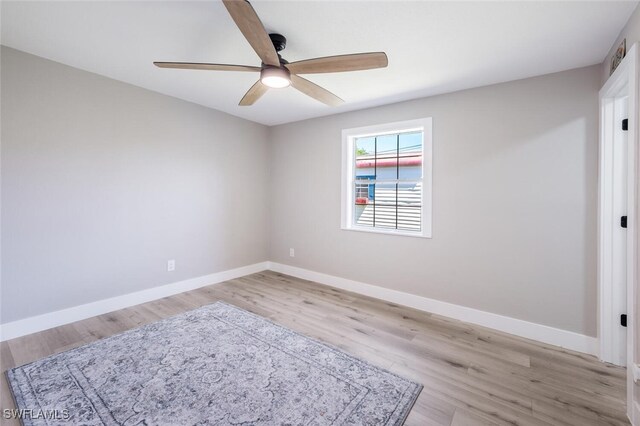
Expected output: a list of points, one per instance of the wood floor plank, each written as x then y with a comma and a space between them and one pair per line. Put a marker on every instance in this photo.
471, 375
559, 391
6, 359
432, 411
29, 348
465, 418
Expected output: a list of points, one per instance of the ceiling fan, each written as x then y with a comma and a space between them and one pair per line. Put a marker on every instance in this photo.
276, 72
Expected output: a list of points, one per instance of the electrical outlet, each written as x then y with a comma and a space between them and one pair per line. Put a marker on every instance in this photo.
292, 252
171, 265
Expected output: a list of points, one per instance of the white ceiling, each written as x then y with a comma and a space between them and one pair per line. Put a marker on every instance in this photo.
433, 47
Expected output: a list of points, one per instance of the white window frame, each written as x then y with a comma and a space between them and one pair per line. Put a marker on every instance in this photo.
348, 174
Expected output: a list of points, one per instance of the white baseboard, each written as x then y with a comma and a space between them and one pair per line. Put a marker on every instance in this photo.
553, 336
42, 322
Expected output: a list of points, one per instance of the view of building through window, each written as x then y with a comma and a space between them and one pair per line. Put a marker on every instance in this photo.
388, 181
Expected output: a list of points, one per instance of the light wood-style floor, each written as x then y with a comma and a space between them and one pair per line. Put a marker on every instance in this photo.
471, 375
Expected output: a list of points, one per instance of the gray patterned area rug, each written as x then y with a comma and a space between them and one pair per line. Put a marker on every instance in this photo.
216, 365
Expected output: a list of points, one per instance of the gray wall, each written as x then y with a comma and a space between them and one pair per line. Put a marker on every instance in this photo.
514, 204
103, 182
631, 32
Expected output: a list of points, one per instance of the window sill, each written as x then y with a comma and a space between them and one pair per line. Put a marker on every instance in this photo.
421, 234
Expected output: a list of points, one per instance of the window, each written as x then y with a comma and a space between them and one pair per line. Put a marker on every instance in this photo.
386, 178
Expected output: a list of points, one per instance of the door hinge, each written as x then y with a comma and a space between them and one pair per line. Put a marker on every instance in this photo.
625, 124
623, 221
623, 320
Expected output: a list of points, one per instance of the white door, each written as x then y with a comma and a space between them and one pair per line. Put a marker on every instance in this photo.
619, 252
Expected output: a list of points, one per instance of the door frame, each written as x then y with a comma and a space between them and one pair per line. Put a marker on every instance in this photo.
624, 81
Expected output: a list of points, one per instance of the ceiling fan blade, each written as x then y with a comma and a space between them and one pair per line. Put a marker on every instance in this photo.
340, 63
249, 24
204, 66
253, 94
315, 91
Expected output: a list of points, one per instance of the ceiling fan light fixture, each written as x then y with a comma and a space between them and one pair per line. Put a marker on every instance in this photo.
276, 78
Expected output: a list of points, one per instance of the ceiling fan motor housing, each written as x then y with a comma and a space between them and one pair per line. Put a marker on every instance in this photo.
279, 41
